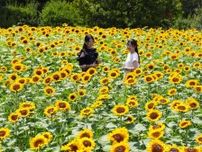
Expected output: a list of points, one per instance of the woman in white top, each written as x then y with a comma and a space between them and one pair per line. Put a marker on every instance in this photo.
133, 59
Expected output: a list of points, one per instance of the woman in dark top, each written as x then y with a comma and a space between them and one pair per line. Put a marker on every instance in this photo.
88, 57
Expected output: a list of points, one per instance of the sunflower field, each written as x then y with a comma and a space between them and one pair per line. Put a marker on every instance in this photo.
48, 104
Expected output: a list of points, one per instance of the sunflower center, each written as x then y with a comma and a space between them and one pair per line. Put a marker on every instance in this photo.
120, 149
38, 143
193, 105
148, 78
153, 115
181, 108
200, 139
174, 150
23, 112
184, 123
87, 143
118, 137
50, 110
151, 105
191, 150
156, 134
120, 110
73, 148
157, 148
175, 79
62, 105
85, 135
56, 77
16, 87
2, 133
49, 91
14, 117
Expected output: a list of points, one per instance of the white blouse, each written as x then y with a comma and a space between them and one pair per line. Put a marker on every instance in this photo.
129, 63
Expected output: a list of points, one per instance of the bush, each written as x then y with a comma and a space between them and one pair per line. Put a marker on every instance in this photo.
13, 14
58, 12
192, 21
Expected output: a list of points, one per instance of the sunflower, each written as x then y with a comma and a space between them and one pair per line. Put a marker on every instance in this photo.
81, 92
13, 76
191, 83
194, 149
15, 87
86, 133
4, 133
120, 110
132, 103
148, 78
150, 105
28, 104
63, 74
119, 135
159, 126
18, 67
154, 115
156, 146
21, 80
130, 81
120, 147
163, 100
174, 148
155, 134
198, 88
186, 68
103, 97
14, 117
49, 91
38, 142
113, 74
91, 71
85, 78
103, 90
158, 74
73, 146
104, 81
86, 112
72, 96
50, 110
138, 71
175, 79
48, 136
130, 119
196, 65
184, 123
24, 112
38, 72
172, 92
47, 80
198, 139
175, 103
56, 76
35, 79
75, 77
62, 105
192, 103
150, 66
88, 144
182, 107
96, 104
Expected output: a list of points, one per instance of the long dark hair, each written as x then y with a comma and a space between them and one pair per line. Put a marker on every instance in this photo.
133, 42
87, 39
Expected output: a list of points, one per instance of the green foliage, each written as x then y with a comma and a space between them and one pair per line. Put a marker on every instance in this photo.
192, 21
129, 13
59, 12
14, 13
